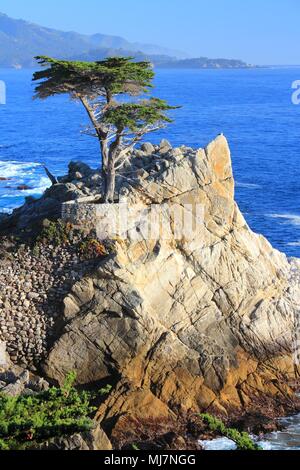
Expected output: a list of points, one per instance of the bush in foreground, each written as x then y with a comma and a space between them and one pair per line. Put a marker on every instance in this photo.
242, 439
28, 420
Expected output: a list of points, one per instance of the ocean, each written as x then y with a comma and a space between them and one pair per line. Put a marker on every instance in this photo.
253, 108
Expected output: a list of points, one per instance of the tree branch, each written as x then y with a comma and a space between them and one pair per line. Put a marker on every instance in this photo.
51, 177
101, 134
132, 142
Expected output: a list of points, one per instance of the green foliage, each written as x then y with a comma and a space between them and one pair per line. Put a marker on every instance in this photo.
114, 75
135, 447
27, 420
61, 234
97, 85
68, 383
55, 233
135, 116
92, 249
104, 79
242, 439
105, 391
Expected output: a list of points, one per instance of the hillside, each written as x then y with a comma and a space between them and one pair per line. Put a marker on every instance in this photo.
21, 41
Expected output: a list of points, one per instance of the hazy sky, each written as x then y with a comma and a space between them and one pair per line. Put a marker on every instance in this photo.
257, 31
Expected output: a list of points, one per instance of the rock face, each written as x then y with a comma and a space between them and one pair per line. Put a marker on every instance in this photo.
184, 324
81, 181
95, 439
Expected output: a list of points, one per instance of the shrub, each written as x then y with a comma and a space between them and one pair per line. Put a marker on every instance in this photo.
92, 249
27, 420
105, 391
56, 233
242, 439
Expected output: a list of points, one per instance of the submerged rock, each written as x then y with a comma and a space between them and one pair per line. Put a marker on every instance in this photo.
23, 187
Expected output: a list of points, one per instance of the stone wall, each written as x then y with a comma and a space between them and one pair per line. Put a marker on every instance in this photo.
89, 214
81, 212
108, 220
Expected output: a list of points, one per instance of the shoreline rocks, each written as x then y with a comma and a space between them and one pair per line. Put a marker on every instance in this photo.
176, 325
196, 324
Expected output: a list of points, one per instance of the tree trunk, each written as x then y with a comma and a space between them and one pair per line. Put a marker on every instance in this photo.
110, 183
102, 137
104, 166
111, 168
104, 154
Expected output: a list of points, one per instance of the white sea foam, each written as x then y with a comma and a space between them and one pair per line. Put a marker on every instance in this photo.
289, 218
38, 187
222, 443
265, 445
294, 243
30, 174
247, 185
12, 169
42, 185
6, 210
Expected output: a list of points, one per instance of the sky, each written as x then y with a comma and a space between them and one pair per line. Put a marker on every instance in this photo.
260, 32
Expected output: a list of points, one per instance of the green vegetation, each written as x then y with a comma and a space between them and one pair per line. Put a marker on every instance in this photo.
56, 233
105, 390
117, 124
242, 439
92, 249
28, 420
61, 234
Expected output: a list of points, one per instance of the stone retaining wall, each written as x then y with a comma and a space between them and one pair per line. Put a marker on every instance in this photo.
81, 212
89, 214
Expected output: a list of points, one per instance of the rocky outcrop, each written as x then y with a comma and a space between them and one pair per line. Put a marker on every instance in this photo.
14, 380
81, 181
94, 440
179, 324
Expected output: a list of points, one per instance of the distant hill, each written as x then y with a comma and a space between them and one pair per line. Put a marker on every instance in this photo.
164, 61
205, 63
21, 41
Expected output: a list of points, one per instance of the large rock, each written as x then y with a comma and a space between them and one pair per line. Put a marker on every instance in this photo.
148, 148
79, 168
190, 323
49, 206
95, 440
165, 146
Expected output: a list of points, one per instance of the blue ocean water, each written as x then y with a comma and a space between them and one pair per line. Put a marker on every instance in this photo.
253, 108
